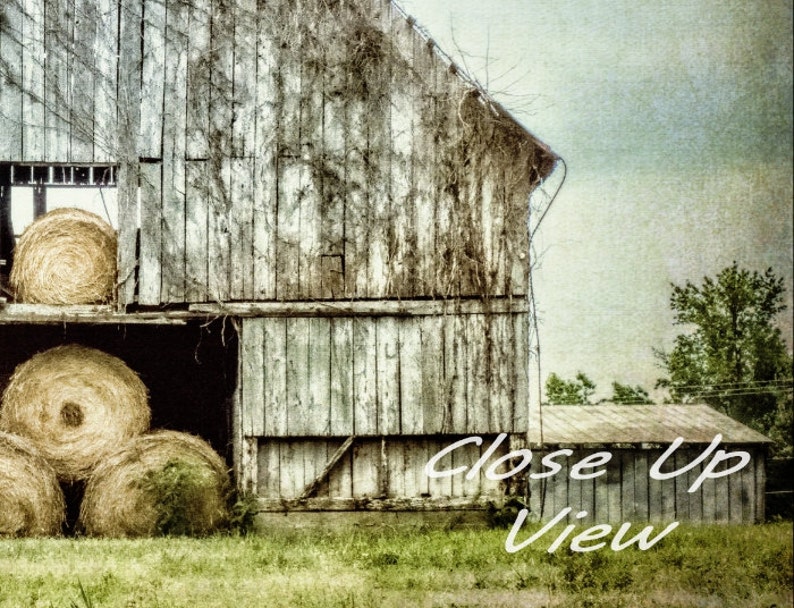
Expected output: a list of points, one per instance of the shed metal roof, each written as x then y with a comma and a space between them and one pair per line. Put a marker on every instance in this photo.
606, 424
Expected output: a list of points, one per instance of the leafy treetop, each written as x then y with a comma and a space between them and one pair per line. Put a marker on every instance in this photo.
732, 355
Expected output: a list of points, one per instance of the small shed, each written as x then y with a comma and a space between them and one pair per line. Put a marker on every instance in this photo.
322, 227
637, 436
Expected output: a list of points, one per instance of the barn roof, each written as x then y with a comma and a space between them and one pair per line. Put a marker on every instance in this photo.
609, 424
547, 157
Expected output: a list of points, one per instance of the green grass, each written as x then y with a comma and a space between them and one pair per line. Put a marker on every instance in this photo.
694, 566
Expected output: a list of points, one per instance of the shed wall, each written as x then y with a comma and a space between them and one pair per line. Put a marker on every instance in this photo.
627, 493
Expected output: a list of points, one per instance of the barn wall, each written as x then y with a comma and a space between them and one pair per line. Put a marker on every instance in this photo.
374, 473
59, 66
627, 493
284, 150
388, 391
388, 473
381, 376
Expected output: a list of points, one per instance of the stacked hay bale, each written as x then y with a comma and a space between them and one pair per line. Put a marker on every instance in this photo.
75, 405
31, 500
77, 415
88, 415
165, 482
66, 256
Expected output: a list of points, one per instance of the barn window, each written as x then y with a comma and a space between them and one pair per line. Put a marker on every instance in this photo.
29, 190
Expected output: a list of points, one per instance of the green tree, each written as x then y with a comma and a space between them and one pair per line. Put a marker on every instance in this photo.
624, 394
569, 392
732, 355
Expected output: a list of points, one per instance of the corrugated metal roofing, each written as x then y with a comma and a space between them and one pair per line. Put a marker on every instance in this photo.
605, 424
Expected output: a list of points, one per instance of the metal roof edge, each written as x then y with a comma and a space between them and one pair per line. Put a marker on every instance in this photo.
749, 436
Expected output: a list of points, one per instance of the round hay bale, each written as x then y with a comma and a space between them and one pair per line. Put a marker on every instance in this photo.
161, 483
31, 500
76, 405
66, 256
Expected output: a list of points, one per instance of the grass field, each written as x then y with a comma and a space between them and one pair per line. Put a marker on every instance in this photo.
692, 567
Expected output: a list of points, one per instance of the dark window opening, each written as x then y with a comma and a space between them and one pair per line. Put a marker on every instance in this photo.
190, 370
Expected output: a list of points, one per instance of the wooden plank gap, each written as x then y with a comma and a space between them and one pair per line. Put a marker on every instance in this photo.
383, 480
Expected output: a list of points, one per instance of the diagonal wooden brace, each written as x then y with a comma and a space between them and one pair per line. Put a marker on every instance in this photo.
336, 457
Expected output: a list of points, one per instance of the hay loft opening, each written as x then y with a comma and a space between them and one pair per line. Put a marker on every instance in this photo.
189, 371
29, 190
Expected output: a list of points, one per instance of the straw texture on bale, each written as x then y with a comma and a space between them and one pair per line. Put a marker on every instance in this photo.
76, 405
67, 256
31, 500
165, 482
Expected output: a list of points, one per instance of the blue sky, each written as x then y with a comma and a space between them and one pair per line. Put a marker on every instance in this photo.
675, 122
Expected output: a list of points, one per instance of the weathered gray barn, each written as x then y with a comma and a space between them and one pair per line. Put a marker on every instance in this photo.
313, 194
636, 436
323, 253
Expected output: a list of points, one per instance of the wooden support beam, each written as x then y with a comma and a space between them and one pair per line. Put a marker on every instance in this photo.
39, 200
40, 313
383, 473
100, 314
376, 504
363, 308
249, 465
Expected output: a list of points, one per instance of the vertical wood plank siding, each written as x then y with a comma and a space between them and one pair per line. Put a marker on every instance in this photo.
12, 100
129, 171
172, 273
58, 64
321, 376
307, 150
33, 55
373, 468
627, 493
58, 32
150, 140
393, 467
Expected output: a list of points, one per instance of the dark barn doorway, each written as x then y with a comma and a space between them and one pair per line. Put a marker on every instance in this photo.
190, 370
